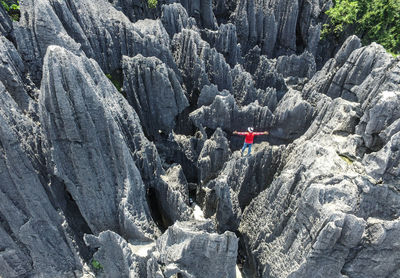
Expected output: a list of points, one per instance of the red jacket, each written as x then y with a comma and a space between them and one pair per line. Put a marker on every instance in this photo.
250, 136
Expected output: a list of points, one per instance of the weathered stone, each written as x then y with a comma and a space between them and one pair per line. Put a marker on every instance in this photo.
322, 79
176, 194
200, 64
175, 18
241, 180
309, 220
11, 73
279, 27
33, 235
117, 257
338, 80
154, 92
187, 47
245, 91
88, 152
225, 42
137, 9
296, 66
384, 164
101, 32
225, 114
188, 242
310, 20
383, 112
5, 23
382, 79
76, 161
218, 71
267, 76
213, 156
202, 11
185, 150
292, 116
374, 259
208, 94
223, 9
351, 43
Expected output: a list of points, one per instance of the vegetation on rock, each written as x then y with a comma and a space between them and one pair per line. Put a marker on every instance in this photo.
152, 4
373, 21
12, 8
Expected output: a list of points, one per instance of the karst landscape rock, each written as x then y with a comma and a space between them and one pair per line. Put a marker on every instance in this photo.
118, 158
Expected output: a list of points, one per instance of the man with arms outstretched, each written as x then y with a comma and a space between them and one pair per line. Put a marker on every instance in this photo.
248, 141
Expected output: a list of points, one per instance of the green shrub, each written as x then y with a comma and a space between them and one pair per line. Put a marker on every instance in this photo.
346, 159
372, 20
343, 13
152, 4
5, 5
12, 8
115, 82
96, 265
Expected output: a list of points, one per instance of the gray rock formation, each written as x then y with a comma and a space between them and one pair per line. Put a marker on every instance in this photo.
285, 71
101, 32
117, 257
341, 74
382, 79
225, 114
218, 71
175, 18
81, 182
185, 150
202, 11
241, 180
208, 94
224, 40
379, 236
279, 27
88, 146
383, 113
325, 230
384, 164
122, 144
266, 76
33, 235
172, 254
5, 23
292, 116
175, 195
213, 156
11, 73
296, 66
187, 46
200, 64
245, 91
187, 242
136, 9
154, 92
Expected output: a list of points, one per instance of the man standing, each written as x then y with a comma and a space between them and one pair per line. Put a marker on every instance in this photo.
248, 141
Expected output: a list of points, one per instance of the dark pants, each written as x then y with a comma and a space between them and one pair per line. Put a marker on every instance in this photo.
245, 145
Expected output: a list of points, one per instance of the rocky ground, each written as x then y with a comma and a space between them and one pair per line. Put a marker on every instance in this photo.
117, 157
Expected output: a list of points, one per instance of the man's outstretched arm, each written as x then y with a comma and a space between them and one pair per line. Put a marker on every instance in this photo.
240, 133
261, 133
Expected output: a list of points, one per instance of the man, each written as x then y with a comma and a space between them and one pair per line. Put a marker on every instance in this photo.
248, 141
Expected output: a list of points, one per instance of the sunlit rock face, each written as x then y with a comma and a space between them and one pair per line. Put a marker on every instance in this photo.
118, 156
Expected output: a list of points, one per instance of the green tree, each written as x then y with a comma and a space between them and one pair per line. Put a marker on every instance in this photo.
372, 20
152, 4
341, 15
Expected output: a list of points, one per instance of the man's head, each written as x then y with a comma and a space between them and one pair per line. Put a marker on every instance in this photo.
250, 129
